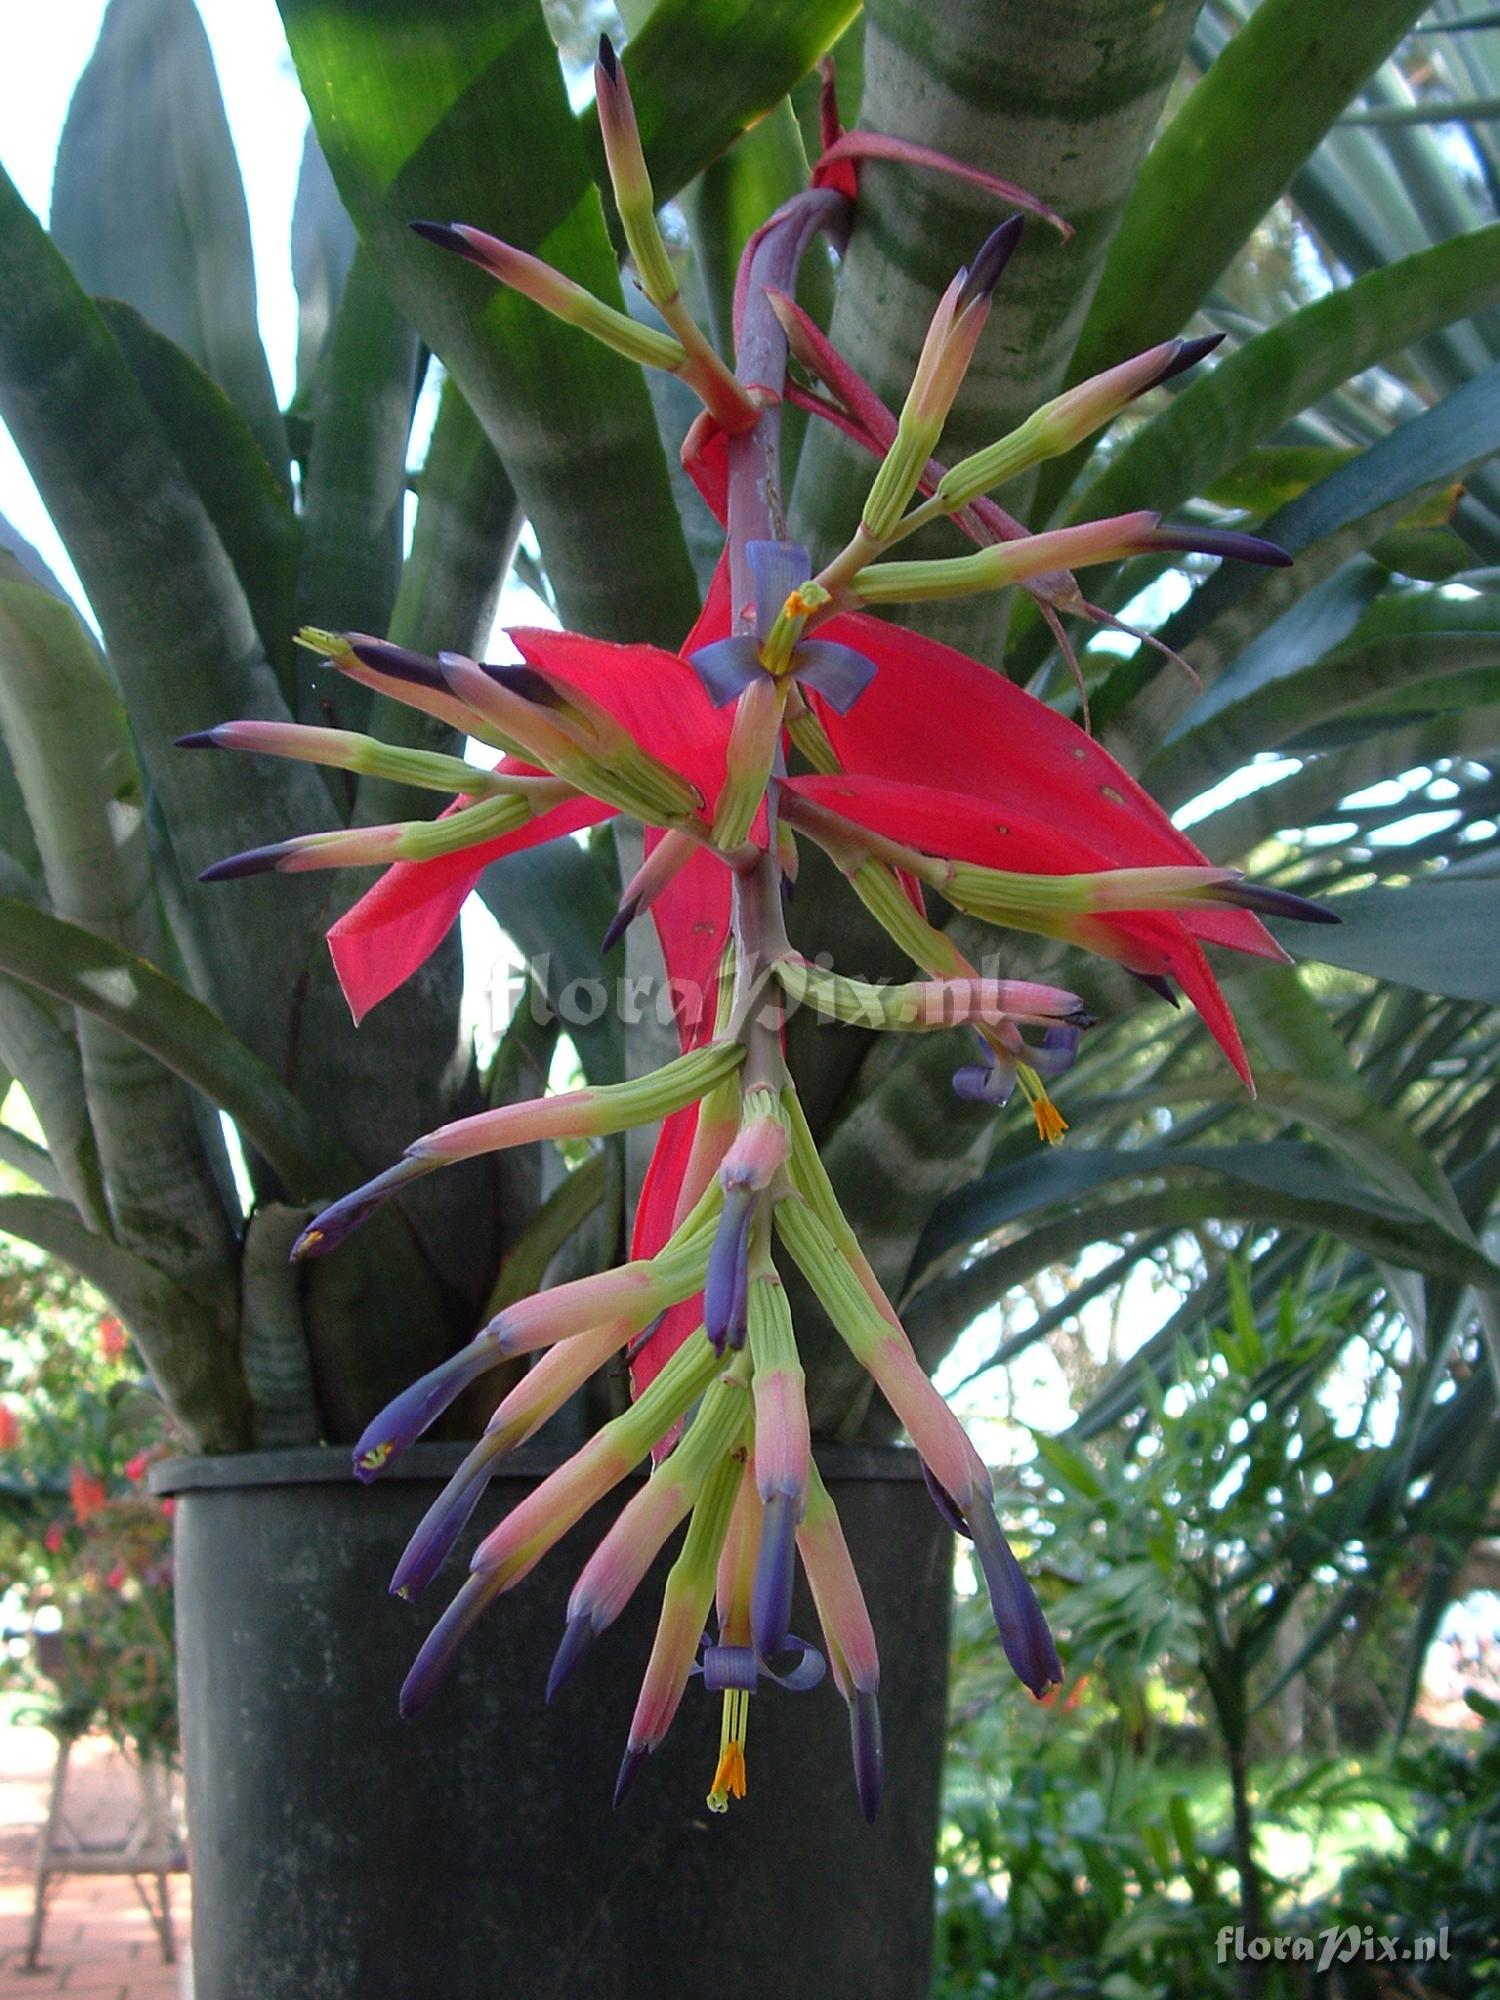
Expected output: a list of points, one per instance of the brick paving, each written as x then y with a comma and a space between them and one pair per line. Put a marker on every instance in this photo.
99, 1943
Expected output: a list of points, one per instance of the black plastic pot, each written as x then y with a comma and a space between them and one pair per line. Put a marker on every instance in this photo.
472, 1854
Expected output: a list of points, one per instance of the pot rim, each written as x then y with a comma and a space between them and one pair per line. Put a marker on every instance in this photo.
329, 1465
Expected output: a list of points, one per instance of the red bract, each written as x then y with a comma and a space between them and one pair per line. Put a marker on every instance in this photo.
395, 927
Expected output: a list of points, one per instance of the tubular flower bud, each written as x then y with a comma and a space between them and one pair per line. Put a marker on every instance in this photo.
783, 1454
557, 295
685, 1604
944, 361
926, 1004
700, 367
346, 750
1067, 420
379, 846
591, 1113
1059, 548
573, 737
847, 1635
546, 1514
407, 677
609, 1578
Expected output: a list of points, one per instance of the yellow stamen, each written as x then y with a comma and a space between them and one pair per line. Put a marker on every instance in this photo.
804, 601
729, 1777
1050, 1123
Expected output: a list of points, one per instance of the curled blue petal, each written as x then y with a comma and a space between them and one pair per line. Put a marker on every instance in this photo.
1058, 1051
726, 668
989, 1081
808, 1672
725, 1667
838, 673
778, 568
729, 1667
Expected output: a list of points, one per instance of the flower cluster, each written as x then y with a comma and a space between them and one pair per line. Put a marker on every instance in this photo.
924, 771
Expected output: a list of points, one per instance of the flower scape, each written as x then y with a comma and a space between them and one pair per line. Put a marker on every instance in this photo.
917, 769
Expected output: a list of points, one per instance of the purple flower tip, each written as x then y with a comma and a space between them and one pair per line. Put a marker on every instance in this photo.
635, 1756
578, 1636
525, 682
869, 1756
397, 663
1189, 354
441, 1643
1023, 1630
771, 1591
619, 923
404, 1419
995, 253
443, 234
1269, 902
943, 1500
1161, 986
254, 861
327, 1231
197, 739
609, 62
726, 1288
1226, 542
439, 1530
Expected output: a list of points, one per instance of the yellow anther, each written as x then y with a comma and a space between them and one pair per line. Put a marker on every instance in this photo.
375, 1457
729, 1777
1050, 1123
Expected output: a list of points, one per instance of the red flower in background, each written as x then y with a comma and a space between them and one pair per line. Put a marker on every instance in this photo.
88, 1494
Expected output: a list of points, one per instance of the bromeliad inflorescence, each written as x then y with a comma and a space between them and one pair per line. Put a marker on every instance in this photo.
924, 771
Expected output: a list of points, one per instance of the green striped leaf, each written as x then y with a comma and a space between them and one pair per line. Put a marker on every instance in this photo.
147, 204
225, 467
1230, 151
158, 1015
